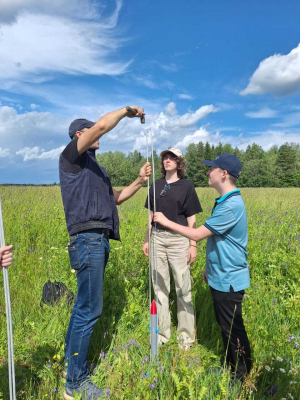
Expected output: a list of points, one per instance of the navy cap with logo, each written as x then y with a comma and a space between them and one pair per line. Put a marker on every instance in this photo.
229, 162
78, 125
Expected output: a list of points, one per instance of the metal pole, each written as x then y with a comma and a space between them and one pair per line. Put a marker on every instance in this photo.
10, 343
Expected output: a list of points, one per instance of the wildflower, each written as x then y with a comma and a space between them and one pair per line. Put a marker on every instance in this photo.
152, 385
293, 382
162, 369
55, 357
73, 271
282, 370
279, 358
297, 345
75, 354
54, 390
144, 360
46, 395
62, 346
107, 392
267, 368
293, 371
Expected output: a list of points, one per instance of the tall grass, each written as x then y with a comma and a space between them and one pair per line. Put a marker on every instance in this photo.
34, 222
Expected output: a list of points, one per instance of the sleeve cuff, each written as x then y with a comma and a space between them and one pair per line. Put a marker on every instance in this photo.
211, 229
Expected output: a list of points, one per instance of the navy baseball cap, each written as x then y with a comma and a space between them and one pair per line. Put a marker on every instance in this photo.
78, 125
228, 162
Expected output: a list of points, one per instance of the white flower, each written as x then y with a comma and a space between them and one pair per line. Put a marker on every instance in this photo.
73, 271
279, 358
293, 371
282, 370
267, 368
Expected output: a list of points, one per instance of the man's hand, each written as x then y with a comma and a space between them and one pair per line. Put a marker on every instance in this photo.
192, 255
159, 218
139, 112
6, 256
145, 172
204, 276
146, 249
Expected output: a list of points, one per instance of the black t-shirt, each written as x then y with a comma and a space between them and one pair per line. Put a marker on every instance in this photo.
179, 202
71, 161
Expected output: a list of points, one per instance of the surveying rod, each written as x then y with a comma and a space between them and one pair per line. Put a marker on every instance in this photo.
10, 343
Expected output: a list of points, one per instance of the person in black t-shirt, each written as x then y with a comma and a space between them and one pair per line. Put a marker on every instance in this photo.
177, 199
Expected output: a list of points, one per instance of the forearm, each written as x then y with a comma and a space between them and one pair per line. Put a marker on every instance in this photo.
102, 126
194, 234
125, 194
192, 224
149, 229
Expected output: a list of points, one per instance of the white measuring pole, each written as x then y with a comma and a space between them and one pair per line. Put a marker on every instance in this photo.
10, 343
152, 262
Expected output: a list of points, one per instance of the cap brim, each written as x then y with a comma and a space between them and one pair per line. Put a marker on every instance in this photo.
167, 151
209, 163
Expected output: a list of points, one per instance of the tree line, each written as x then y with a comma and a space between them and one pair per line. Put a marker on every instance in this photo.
277, 167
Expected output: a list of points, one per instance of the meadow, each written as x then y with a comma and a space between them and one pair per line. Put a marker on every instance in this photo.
34, 222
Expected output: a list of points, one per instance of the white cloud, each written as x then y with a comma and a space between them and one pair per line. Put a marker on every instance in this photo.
289, 120
169, 67
171, 109
38, 45
278, 74
4, 152
11, 9
170, 125
146, 81
31, 128
265, 112
34, 106
190, 118
35, 153
185, 96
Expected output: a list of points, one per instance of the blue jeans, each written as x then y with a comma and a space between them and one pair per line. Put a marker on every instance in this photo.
88, 253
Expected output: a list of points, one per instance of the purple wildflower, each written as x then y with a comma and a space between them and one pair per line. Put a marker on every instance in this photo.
152, 385
107, 392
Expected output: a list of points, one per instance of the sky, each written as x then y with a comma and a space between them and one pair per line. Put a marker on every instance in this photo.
209, 70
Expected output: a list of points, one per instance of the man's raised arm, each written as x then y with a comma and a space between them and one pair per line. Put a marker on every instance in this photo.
104, 125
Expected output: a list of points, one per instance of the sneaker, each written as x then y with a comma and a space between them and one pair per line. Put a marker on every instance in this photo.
185, 346
88, 391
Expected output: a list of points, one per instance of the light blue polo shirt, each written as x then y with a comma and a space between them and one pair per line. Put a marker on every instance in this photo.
226, 254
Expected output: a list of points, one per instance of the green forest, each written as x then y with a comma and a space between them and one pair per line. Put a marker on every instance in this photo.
278, 167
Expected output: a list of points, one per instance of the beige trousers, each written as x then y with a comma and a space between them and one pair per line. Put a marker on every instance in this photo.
172, 251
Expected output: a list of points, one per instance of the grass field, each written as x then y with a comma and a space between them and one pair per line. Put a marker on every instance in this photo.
34, 222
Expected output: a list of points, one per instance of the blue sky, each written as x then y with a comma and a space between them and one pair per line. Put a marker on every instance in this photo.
203, 70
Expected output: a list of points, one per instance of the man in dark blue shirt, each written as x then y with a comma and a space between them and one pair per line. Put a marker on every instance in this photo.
91, 215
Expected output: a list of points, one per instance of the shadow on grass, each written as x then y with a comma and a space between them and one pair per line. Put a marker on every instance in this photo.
29, 373
114, 301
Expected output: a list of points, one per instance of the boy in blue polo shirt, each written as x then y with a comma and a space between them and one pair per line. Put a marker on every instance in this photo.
226, 271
